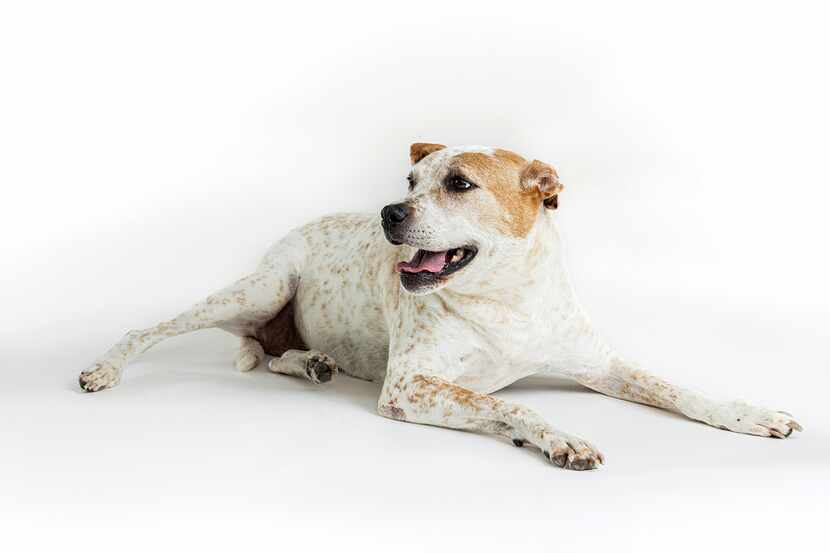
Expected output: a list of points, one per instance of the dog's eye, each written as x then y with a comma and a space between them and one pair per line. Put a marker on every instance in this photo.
459, 184
411, 180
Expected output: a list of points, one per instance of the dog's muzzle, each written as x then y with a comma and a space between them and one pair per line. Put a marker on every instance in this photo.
393, 217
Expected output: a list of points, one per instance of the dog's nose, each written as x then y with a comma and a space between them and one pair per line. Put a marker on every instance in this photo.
394, 214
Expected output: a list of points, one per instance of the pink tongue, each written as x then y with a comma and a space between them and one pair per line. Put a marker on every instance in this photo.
424, 261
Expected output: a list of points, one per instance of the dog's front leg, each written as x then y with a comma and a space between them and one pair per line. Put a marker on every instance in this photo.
413, 395
625, 380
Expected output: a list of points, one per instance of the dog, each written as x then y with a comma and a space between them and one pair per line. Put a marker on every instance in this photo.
452, 294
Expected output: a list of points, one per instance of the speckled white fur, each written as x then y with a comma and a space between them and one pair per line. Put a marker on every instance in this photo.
510, 314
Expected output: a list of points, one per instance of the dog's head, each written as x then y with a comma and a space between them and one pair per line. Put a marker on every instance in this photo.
468, 213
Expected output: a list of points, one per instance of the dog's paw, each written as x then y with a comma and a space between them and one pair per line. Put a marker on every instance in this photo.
738, 416
564, 450
99, 377
320, 368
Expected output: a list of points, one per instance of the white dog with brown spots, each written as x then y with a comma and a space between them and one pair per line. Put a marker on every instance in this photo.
456, 292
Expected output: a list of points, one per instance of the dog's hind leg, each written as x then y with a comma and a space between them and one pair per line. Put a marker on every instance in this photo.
240, 309
311, 365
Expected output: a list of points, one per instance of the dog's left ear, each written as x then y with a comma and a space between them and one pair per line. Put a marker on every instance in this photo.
543, 176
420, 150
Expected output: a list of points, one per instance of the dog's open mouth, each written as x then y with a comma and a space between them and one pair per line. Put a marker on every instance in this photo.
428, 265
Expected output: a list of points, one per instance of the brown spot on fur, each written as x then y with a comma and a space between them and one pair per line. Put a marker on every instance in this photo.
280, 334
429, 388
420, 150
392, 412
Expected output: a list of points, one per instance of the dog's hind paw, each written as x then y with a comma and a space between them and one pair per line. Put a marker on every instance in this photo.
320, 368
99, 377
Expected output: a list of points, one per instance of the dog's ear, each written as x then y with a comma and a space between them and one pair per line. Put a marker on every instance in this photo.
543, 176
420, 150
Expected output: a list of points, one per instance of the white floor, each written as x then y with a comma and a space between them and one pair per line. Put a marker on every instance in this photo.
188, 452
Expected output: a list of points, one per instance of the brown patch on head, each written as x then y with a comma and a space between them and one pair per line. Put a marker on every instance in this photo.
501, 174
420, 150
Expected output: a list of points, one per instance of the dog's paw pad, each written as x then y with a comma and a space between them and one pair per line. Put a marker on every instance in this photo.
320, 368
99, 377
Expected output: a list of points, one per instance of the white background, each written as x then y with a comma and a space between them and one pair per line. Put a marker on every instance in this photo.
151, 151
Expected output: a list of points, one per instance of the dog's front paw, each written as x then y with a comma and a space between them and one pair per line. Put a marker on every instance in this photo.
100, 376
738, 416
564, 450
320, 368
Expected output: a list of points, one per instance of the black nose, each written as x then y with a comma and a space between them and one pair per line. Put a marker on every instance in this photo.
394, 214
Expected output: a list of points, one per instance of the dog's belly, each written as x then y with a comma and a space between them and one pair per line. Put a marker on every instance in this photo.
344, 328
337, 305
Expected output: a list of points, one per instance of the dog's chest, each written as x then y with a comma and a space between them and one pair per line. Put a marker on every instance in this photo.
497, 364
496, 344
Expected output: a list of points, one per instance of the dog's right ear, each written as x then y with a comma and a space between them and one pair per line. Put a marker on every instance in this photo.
420, 150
